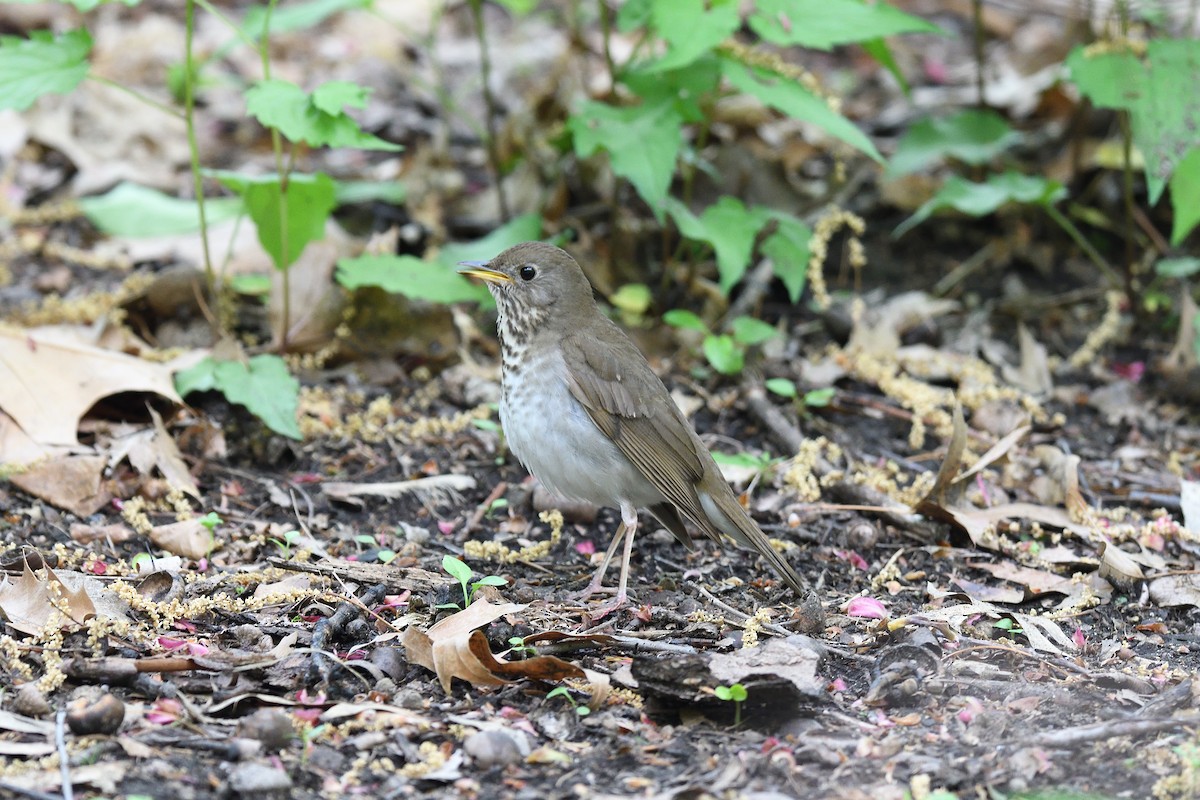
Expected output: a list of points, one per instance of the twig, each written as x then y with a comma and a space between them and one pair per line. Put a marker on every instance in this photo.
1081, 734
493, 496
5, 786
64, 760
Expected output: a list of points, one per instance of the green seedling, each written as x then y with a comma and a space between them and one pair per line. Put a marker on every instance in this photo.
463, 574
211, 520
497, 504
580, 708
285, 541
735, 693
725, 352
517, 645
816, 398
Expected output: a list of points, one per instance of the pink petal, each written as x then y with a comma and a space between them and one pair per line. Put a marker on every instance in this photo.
866, 607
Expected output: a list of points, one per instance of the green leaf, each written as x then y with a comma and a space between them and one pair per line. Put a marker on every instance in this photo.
634, 14
525, 228
683, 89
351, 192
132, 210
819, 398
738, 692
251, 285
729, 227
1185, 196
781, 386
750, 331
438, 280
974, 136
42, 64
491, 580
1159, 93
723, 693
457, 569
980, 199
409, 276
1178, 267
298, 16
315, 118
788, 250
724, 354
822, 24
681, 318
301, 211
692, 29
519, 7
263, 385
789, 97
878, 49
642, 143
632, 298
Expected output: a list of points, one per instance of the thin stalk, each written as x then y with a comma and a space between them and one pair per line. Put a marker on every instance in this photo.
489, 101
1091, 252
189, 117
606, 28
980, 41
277, 149
134, 93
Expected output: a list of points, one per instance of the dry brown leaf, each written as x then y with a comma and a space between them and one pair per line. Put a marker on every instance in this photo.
72, 483
1176, 590
154, 448
29, 602
86, 534
446, 648
1117, 566
188, 538
1037, 581
47, 386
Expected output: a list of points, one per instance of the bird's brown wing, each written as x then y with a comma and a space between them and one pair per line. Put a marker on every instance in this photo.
627, 401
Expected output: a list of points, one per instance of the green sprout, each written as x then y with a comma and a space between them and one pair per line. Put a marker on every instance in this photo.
285, 541
211, 520
580, 708
517, 645
737, 693
463, 574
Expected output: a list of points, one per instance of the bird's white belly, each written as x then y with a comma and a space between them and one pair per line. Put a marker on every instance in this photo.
556, 440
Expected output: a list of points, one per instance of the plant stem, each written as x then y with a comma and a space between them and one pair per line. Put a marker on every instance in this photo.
980, 40
277, 147
489, 101
1084, 245
606, 28
145, 98
189, 117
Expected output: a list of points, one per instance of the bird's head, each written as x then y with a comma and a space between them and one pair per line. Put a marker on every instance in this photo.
534, 282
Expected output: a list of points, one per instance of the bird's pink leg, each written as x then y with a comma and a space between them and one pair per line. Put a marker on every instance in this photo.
597, 581
629, 523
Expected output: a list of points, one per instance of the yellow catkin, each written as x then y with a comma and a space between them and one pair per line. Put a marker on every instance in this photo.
1104, 333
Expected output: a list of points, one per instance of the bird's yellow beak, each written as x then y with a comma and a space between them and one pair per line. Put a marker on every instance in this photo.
480, 269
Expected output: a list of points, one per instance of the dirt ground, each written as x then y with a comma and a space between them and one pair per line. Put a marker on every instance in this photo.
997, 533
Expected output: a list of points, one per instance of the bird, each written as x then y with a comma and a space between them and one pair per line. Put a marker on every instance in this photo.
584, 412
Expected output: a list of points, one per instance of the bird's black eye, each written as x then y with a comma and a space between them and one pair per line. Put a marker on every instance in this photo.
528, 272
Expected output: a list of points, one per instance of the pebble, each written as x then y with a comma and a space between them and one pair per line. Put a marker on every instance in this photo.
256, 777
488, 749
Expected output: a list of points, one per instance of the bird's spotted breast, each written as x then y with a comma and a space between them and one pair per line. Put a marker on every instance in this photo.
553, 436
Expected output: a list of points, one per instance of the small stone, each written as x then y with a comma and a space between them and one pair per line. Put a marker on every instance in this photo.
31, 702
488, 749
104, 716
254, 777
410, 699
270, 726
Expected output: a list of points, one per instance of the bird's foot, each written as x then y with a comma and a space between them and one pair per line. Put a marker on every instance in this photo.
618, 602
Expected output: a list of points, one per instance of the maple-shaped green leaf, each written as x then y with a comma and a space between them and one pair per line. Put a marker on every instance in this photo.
642, 143
286, 220
317, 118
263, 385
42, 64
823, 24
